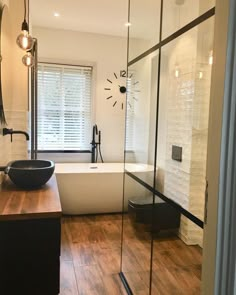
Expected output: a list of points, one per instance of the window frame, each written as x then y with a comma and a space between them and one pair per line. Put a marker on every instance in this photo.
71, 63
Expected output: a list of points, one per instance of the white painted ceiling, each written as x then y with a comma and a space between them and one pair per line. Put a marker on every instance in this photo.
95, 16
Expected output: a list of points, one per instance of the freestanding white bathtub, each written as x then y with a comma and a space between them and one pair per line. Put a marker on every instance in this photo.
87, 188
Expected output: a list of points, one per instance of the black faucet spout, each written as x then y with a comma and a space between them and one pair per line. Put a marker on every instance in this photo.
7, 131
21, 132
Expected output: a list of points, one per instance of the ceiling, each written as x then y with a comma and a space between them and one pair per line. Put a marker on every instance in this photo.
96, 16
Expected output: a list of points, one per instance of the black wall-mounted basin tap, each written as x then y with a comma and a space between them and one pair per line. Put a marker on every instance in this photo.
7, 131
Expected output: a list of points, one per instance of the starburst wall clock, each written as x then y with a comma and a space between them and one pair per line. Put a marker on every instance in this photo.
116, 89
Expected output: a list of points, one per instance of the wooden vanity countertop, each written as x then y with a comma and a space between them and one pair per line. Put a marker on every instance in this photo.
20, 204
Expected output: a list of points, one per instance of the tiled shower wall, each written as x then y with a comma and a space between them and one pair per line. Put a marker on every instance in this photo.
187, 122
183, 121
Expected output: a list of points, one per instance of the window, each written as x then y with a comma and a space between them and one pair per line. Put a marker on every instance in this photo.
129, 138
64, 107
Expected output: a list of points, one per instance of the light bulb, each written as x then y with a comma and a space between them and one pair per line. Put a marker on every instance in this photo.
177, 72
210, 60
24, 40
28, 59
200, 75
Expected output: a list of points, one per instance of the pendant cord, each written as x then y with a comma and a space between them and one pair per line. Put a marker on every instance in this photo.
28, 18
25, 10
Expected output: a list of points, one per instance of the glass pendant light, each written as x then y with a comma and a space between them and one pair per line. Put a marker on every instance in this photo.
210, 58
24, 40
28, 59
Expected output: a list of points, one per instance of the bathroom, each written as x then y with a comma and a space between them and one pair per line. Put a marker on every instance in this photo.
138, 232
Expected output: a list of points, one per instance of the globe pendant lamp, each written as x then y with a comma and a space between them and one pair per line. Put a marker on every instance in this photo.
28, 59
24, 40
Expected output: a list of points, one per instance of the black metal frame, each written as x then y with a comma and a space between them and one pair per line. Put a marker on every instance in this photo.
176, 34
3, 121
122, 277
34, 102
125, 283
183, 211
205, 16
64, 151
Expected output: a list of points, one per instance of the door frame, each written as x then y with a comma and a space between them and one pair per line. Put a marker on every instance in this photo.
216, 254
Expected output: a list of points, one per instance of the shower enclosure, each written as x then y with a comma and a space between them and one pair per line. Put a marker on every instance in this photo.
170, 57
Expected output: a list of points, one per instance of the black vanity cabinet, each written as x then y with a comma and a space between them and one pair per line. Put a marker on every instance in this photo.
30, 234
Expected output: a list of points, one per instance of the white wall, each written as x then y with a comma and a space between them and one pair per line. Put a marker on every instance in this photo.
14, 82
108, 55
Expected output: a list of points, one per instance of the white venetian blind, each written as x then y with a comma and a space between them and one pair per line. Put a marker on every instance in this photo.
129, 137
64, 107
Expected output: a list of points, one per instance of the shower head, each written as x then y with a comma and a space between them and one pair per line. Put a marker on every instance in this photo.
96, 129
95, 132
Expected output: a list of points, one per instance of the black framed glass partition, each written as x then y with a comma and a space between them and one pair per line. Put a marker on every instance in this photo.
168, 98
137, 240
144, 27
141, 106
184, 98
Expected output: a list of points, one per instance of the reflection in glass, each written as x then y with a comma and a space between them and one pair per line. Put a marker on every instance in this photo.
178, 13
183, 120
176, 265
145, 26
136, 240
141, 117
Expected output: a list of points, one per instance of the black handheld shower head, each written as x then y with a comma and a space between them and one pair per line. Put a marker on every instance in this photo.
96, 129
95, 132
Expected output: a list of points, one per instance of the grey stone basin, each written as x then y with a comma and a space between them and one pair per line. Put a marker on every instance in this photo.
30, 174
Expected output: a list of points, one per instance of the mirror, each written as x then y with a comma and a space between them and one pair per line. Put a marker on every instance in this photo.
6, 60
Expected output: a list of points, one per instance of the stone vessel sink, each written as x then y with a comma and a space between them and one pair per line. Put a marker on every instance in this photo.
30, 174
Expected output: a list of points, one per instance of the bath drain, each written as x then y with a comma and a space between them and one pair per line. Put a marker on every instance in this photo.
94, 167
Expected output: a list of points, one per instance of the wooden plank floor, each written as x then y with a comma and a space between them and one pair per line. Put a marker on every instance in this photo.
90, 259
90, 255
176, 267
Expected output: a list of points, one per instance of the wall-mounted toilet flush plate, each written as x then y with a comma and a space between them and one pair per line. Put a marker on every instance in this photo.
176, 153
